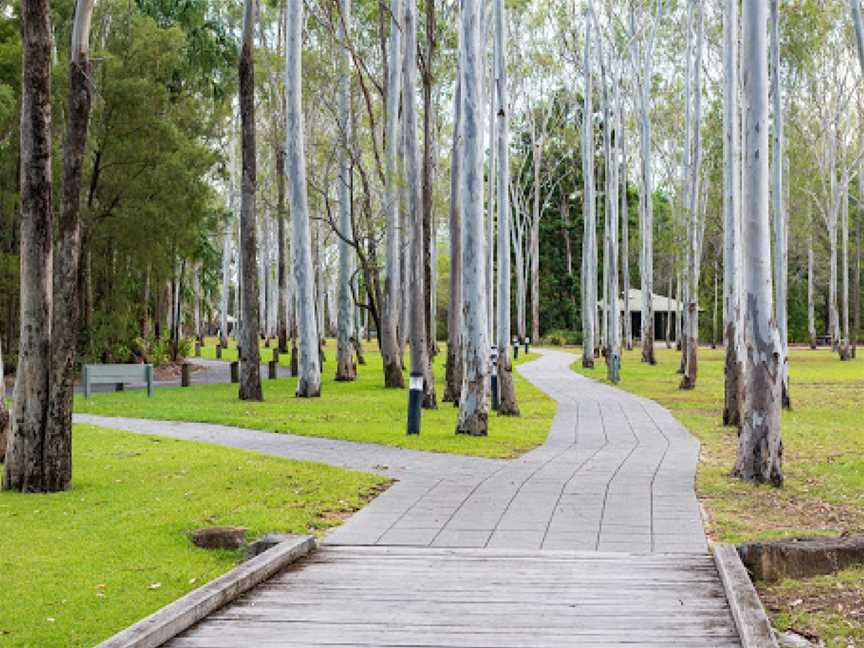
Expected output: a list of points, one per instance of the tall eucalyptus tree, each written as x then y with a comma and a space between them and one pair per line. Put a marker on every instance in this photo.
611, 123
507, 405
250, 357
5, 418
732, 257
346, 369
473, 406
760, 447
779, 209
39, 450
391, 349
420, 365
309, 368
625, 234
453, 375
642, 53
858, 24
589, 238
694, 225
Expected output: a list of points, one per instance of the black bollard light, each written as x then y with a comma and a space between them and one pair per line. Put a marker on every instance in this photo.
527, 344
494, 357
515, 347
415, 402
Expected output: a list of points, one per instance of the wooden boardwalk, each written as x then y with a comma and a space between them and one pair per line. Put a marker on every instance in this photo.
478, 598
593, 539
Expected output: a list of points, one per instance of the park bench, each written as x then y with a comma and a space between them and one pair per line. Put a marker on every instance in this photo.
117, 374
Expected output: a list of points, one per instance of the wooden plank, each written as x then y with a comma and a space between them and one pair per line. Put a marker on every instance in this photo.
753, 626
173, 619
479, 599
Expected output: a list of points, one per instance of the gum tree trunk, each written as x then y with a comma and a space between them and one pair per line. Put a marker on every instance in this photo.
811, 293
610, 253
845, 353
454, 374
760, 448
856, 286
732, 260
645, 65
250, 358
281, 251
346, 370
64, 330
417, 297
589, 243
427, 168
507, 405
391, 350
780, 244
5, 418
25, 468
308, 368
625, 243
691, 344
473, 403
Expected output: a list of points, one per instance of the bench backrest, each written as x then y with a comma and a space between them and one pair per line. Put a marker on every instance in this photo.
117, 374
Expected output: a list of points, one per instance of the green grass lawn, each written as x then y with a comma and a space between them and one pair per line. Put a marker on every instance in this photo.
823, 441
75, 567
360, 411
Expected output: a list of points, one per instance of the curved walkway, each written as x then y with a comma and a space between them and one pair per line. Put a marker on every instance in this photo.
615, 475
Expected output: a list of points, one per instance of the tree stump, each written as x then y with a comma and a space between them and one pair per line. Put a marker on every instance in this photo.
219, 537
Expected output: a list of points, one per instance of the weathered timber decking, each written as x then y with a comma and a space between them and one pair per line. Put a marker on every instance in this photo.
469, 598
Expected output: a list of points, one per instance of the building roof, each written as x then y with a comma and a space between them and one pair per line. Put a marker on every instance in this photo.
661, 303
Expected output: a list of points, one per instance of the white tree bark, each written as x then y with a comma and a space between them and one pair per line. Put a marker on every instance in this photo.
844, 234
644, 62
732, 259
855, 7
490, 210
309, 368
780, 244
589, 244
760, 449
346, 369
625, 238
391, 350
420, 365
507, 402
691, 343
811, 293
473, 405
453, 378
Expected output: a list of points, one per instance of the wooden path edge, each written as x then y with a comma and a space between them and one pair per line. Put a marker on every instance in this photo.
169, 621
752, 623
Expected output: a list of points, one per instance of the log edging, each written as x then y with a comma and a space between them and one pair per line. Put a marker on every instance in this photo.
752, 623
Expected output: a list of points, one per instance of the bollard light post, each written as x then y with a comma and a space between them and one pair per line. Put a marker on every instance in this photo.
527, 344
515, 347
494, 358
415, 402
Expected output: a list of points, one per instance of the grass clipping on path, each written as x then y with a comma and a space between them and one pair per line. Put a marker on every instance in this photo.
823, 463
353, 411
78, 566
